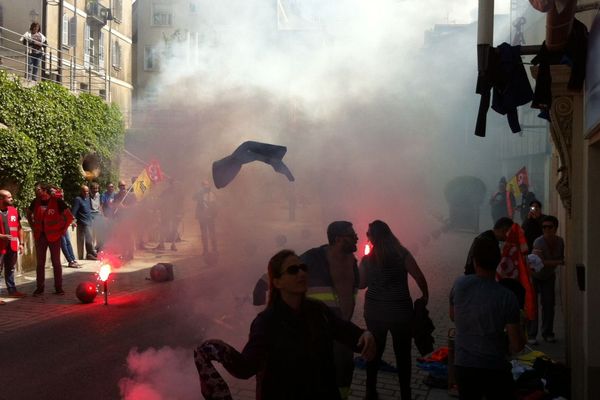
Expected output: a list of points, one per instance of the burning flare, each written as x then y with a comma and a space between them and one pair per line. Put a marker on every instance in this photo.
104, 272
368, 248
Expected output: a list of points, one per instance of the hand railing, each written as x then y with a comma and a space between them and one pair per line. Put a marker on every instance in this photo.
18, 57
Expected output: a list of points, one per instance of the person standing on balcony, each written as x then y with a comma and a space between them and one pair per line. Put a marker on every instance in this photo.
35, 42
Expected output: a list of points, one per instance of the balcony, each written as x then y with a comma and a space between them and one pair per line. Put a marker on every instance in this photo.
96, 13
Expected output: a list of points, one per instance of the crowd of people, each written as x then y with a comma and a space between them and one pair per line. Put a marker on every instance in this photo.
493, 305
302, 345
95, 216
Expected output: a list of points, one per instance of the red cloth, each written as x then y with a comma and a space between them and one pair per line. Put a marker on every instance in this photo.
514, 266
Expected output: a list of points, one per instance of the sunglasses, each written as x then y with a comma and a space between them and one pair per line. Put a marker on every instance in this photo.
547, 226
294, 269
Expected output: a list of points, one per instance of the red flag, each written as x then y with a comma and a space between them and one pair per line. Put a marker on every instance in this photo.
154, 172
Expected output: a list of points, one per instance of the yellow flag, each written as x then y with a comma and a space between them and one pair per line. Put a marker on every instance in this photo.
513, 186
142, 185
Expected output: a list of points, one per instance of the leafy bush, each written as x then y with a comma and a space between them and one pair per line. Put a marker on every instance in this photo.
49, 131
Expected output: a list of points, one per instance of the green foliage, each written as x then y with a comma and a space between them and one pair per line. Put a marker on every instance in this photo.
50, 131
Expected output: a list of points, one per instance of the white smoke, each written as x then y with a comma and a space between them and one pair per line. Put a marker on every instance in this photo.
163, 374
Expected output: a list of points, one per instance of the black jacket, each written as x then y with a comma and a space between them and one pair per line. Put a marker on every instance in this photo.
294, 351
423, 328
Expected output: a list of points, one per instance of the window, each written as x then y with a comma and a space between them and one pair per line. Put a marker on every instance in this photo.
117, 11
150, 59
162, 15
116, 54
65, 30
88, 46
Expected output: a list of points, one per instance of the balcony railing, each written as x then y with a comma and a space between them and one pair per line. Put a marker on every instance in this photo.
52, 64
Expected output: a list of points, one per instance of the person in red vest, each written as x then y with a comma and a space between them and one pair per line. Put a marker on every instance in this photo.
49, 217
11, 242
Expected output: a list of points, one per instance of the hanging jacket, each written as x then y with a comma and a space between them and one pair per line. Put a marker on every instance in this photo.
422, 328
13, 227
511, 86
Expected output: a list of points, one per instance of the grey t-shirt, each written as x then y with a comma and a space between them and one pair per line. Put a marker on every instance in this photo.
482, 309
550, 251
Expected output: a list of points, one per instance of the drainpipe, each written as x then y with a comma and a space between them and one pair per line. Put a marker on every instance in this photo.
61, 10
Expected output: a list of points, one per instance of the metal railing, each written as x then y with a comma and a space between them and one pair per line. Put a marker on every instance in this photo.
52, 64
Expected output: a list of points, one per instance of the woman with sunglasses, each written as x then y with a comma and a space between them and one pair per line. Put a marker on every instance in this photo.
290, 346
388, 305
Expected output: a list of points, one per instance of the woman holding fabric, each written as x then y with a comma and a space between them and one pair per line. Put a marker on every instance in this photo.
388, 305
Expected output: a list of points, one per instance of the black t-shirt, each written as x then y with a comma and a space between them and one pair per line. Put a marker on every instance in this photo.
533, 230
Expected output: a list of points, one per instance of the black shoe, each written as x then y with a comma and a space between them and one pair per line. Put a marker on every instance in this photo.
92, 257
38, 292
59, 292
173, 247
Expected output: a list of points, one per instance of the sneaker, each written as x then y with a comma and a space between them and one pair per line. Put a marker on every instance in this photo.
73, 264
91, 257
532, 341
16, 294
59, 292
550, 339
38, 292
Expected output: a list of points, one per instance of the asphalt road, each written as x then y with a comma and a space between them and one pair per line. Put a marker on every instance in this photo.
83, 354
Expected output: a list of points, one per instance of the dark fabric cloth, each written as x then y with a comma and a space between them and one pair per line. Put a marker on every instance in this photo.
295, 351
475, 383
533, 230
226, 169
575, 54
402, 341
422, 328
511, 86
487, 235
387, 297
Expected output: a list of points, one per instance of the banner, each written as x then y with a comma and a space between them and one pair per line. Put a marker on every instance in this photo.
149, 176
521, 177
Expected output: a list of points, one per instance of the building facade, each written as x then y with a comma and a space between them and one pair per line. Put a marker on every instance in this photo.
89, 44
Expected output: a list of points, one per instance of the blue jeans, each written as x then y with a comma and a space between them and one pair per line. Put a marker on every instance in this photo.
7, 263
67, 249
32, 68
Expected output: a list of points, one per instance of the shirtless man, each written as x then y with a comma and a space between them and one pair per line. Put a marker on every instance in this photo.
333, 279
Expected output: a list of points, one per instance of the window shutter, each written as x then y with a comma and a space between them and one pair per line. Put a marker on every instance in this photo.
101, 49
86, 46
73, 31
